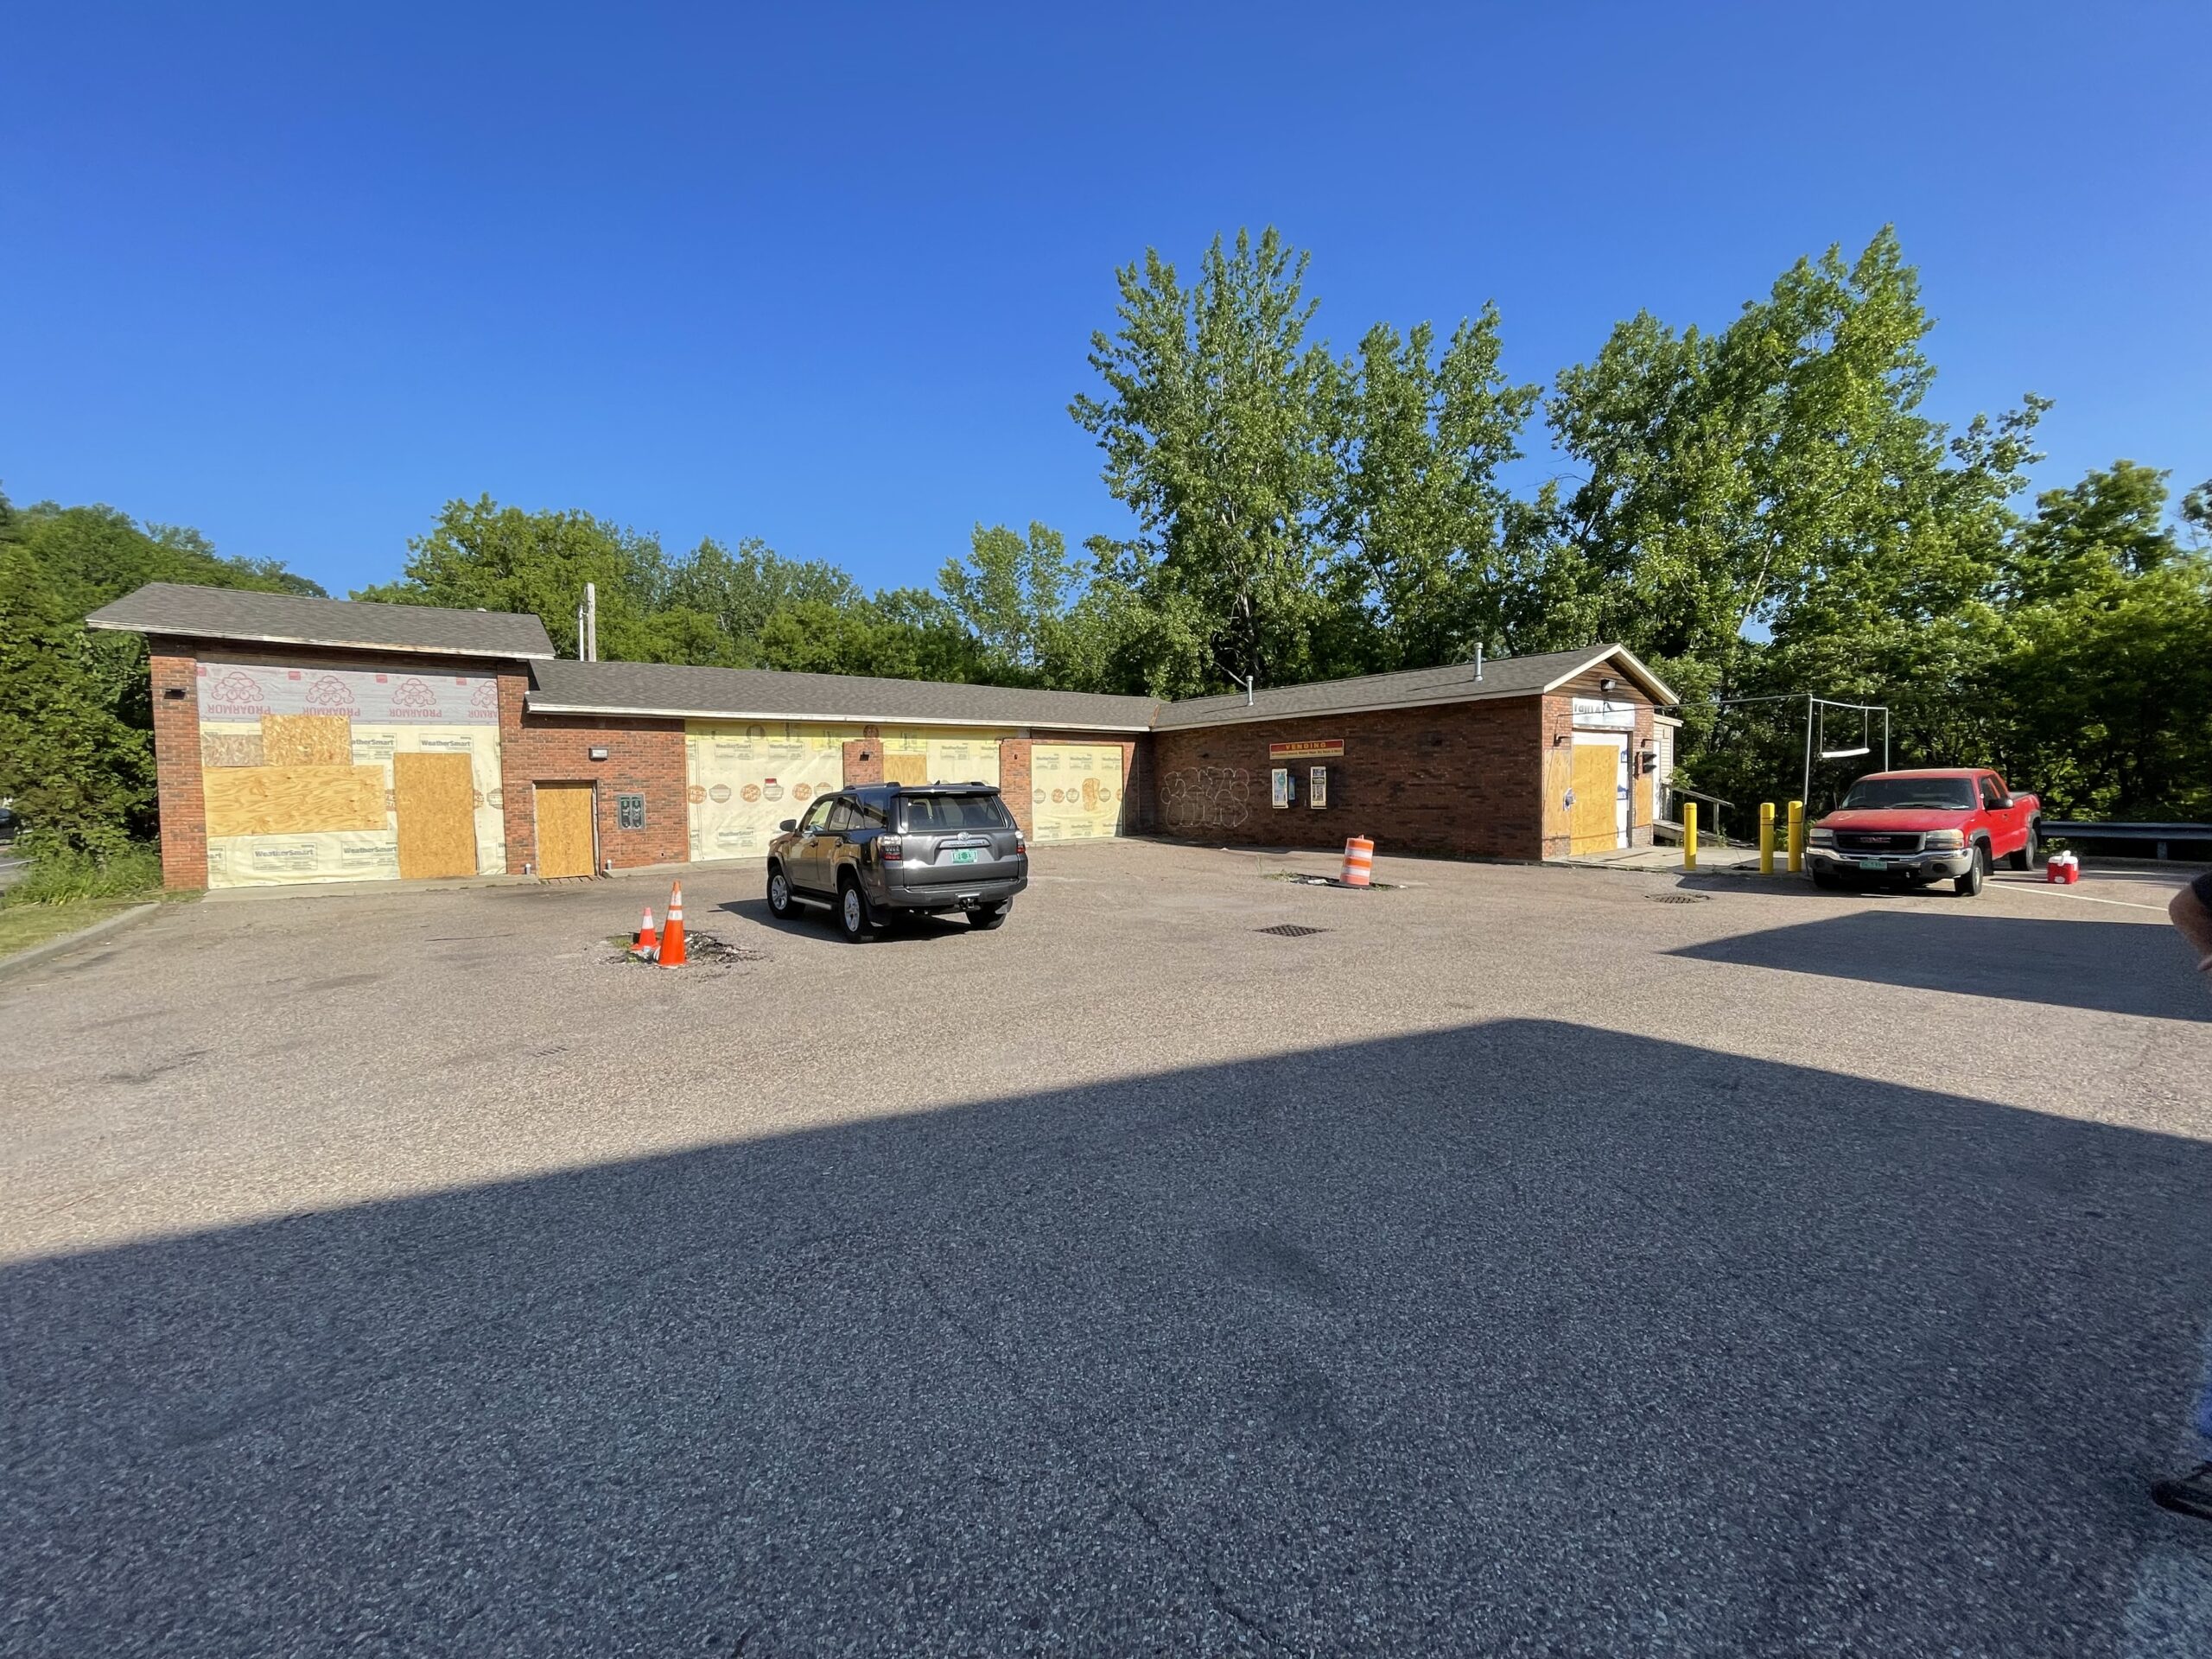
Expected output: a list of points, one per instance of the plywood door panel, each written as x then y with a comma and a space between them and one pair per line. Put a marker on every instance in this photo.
292, 800
307, 741
436, 806
1595, 822
565, 839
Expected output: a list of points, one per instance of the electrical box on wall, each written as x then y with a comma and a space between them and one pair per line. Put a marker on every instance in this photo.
630, 811
1317, 787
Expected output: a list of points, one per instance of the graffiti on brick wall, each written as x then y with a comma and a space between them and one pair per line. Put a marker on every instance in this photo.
1205, 797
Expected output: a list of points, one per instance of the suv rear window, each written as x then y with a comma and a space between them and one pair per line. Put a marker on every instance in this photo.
925, 815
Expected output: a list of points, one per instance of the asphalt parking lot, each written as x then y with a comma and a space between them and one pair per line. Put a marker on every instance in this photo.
1517, 1263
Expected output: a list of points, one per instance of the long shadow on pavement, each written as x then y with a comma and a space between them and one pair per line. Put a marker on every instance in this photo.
2111, 967
1521, 1336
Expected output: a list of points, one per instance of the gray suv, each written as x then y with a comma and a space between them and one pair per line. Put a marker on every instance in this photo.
882, 850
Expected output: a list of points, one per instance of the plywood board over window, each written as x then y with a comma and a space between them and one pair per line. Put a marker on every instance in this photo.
435, 803
307, 741
907, 768
232, 748
292, 800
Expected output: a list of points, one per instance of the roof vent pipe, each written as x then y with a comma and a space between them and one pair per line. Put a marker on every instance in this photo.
1478, 661
1247, 690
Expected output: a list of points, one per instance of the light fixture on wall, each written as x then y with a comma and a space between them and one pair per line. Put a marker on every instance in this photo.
598, 754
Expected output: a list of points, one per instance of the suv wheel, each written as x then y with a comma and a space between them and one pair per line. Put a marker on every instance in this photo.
2025, 858
853, 919
779, 893
994, 917
1970, 885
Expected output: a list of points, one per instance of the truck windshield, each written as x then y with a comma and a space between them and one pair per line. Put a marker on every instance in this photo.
926, 814
1949, 794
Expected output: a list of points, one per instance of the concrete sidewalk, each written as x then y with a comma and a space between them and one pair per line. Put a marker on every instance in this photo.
1710, 860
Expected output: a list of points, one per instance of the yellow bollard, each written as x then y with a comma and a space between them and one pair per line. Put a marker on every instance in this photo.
1766, 838
1796, 836
1689, 835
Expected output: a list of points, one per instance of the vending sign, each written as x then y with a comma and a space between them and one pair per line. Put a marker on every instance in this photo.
1318, 748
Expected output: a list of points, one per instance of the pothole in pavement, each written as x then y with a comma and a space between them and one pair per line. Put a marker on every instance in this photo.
702, 950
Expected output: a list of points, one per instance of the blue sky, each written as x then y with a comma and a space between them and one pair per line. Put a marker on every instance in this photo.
826, 275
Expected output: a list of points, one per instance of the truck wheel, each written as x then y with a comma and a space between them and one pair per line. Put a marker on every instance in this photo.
985, 920
2025, 858
853, 919
1970, 885
779, 893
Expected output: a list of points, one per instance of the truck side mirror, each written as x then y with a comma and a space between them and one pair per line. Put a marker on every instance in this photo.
788, 824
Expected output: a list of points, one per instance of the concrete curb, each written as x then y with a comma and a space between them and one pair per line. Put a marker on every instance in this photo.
39, 953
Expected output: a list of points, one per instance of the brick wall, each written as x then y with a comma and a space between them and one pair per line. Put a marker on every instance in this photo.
863, 761
1014, 783
1462, 779
176, 760
643, 757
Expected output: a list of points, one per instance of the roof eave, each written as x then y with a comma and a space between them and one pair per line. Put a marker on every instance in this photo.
155, 630
538, 706
1249, 715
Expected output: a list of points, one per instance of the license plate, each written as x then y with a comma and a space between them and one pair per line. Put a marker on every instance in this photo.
1873, 864
966, 855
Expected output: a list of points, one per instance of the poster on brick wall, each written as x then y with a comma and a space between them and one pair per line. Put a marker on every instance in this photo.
247, 691
1075, 790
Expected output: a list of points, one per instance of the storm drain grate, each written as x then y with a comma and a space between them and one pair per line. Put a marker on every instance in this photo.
1678, 898
1289, 930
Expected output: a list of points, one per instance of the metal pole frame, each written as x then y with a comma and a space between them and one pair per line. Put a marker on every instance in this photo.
1806, 794
1813, 703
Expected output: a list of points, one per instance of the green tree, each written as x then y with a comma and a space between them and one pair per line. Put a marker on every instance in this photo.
1215, 420
1011, 596
1779, 478
79, 779
1431, 532
740, 590
482, 555
76, 751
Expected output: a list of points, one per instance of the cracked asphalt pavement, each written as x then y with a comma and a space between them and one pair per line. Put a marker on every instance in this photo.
1515, 1265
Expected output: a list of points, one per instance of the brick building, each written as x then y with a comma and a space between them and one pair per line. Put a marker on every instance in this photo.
312, 741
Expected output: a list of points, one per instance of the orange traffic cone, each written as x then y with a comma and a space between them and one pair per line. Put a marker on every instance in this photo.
648, 941
671, 936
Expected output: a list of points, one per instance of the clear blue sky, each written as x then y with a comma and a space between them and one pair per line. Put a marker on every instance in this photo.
826, 274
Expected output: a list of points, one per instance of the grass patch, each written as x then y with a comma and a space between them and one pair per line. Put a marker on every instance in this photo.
62, 892
62, 878
22, 926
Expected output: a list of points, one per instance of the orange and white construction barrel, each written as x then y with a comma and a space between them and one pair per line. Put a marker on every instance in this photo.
1359, 862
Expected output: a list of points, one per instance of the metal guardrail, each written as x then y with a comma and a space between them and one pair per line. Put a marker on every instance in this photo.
2163, 835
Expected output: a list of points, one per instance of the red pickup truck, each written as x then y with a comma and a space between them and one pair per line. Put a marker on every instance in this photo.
1924, 826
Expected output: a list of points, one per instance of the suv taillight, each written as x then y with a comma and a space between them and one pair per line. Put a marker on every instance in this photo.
1020, 846
892, 850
